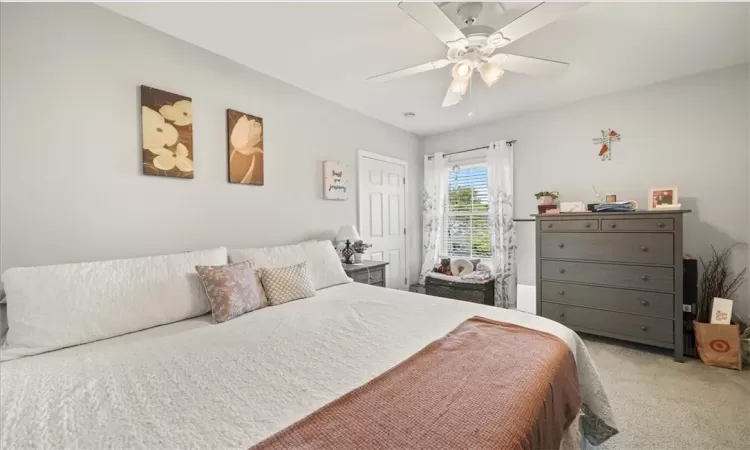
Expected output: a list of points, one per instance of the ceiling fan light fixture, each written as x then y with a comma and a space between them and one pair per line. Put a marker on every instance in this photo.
490, 73
462, 70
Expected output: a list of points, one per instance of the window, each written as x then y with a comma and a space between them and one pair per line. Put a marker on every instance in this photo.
466, 228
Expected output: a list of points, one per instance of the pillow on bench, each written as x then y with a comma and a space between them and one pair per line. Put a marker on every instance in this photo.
51, 307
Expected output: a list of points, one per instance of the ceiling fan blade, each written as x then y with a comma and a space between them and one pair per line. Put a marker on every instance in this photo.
431, 17
527, 65
388, 76
537, 17
452, 97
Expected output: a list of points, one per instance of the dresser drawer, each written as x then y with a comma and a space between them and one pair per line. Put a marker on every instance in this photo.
643, 248
626, 325
645, 278
570, 225
637, 224
373, 277
623, 300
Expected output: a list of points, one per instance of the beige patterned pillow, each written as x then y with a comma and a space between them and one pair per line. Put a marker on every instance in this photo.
233, 289
285, 284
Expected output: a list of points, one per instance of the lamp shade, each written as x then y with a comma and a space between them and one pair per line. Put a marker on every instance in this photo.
348, 233
490, 73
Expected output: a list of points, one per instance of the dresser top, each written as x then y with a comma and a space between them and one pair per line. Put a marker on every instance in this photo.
615, 213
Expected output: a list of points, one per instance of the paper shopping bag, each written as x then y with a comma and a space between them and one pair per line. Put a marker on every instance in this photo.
719, 345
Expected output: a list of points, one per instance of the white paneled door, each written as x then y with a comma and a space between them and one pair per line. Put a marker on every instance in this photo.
382, 213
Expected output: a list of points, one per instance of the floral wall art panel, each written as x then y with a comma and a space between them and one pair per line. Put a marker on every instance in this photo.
167, 133
245, 144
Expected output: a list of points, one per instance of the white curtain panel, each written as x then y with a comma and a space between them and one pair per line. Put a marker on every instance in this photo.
433, 203
502, 227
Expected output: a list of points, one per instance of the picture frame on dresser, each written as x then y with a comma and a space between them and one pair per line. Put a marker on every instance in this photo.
661, 199
616, 274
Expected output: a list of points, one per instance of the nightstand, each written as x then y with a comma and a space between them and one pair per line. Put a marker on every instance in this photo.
369, 272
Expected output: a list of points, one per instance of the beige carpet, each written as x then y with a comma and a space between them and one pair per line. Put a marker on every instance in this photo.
661, 404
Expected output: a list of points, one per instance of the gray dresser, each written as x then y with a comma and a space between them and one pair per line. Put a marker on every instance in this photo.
613, 274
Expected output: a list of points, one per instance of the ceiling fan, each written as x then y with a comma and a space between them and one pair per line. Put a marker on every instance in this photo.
472, 49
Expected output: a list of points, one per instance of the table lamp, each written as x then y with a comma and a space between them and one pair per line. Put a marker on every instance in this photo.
348, 234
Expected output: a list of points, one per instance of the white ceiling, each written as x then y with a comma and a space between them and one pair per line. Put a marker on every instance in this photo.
329, 49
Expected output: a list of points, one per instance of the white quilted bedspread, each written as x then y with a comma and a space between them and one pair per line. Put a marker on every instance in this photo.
196, 385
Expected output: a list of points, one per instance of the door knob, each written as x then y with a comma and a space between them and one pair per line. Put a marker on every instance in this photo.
549, 225
644, 248
644, 302
613, 225
562, 270
660, 224
561, 292
644, 328
588, 225
562, 314
644, 277
561, 245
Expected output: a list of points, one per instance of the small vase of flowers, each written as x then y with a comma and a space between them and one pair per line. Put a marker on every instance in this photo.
359, 247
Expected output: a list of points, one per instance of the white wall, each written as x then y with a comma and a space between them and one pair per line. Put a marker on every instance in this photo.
71, 184
691, 133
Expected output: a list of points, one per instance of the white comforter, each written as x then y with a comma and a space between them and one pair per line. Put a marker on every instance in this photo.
193, 384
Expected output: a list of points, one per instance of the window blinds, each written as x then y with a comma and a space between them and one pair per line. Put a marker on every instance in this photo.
466, 228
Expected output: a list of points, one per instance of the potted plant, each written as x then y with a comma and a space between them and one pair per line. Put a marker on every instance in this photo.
546, 200
359, 247
546, 197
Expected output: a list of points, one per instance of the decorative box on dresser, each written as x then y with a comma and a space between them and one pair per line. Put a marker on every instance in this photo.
369, 272
613, 274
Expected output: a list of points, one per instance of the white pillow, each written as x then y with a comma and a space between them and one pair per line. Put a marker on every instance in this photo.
52, 307
324, 264
268, 257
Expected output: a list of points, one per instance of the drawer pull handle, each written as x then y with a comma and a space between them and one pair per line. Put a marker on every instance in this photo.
613, 225
644, 277
644, 302
561, 245
644, 248
562, 270
588, 225
561, 292
549, 225
660, 224
562, 314
644, 328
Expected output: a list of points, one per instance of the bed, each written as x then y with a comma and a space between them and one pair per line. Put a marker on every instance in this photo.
194, 384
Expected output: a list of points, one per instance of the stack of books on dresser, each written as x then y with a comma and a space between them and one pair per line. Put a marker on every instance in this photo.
615, 207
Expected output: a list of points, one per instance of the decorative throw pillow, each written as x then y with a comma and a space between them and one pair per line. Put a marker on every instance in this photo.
233, 289
285, 284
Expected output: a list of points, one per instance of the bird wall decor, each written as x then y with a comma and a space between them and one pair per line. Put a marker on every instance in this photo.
608, 137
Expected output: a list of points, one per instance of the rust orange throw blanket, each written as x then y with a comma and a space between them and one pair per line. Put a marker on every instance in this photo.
485, 385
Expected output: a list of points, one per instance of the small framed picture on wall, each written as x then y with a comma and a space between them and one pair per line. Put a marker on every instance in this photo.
335, 180
663, 198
